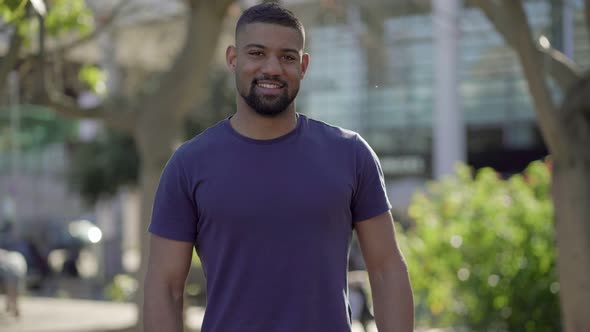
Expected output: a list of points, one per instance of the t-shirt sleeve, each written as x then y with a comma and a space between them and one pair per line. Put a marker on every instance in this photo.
174, 212
370, 196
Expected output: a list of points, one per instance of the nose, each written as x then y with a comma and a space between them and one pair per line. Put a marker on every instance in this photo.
272, 66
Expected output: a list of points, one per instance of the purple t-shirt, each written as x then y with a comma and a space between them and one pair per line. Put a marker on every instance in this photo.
271, 221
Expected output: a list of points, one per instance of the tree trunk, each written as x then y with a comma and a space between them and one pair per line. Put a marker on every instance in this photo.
566, 132
571, 197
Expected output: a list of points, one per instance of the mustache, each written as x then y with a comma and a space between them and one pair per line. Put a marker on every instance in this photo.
269, 78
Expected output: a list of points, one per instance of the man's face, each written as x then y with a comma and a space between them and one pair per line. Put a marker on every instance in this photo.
268, 63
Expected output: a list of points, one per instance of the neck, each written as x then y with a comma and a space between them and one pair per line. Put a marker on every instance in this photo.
250, 124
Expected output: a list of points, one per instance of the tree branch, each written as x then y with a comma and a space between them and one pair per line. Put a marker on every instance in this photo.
222, 7
561, 68
558, 66
510, 21
9, 60
577, 101
40, 59
184, 84
104, 25
120, 120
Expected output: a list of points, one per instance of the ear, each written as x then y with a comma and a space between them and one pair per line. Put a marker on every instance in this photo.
304, 64
231, 55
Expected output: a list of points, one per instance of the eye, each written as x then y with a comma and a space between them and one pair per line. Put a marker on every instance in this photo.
256, 53
289, 58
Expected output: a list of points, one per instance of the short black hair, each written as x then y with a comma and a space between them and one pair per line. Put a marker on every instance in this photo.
272, 13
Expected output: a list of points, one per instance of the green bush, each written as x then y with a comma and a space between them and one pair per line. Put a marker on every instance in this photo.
100, 167
481, 253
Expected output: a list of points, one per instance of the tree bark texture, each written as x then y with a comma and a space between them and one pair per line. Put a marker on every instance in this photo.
182, 86
571, 196
566, 131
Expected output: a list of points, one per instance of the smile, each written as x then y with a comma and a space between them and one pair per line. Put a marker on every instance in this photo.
269, 86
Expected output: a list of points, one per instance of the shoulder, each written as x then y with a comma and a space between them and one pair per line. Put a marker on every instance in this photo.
336, 140
337, 136
206, 141
328, 131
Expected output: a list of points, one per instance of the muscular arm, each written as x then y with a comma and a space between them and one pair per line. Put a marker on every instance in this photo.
168, 267
390, 285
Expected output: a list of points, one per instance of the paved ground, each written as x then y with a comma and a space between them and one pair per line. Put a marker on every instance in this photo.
64, 315
61, 315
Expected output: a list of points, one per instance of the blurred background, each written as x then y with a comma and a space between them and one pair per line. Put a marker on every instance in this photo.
478, 110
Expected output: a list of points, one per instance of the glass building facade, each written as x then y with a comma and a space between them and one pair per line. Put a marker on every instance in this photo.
374, 73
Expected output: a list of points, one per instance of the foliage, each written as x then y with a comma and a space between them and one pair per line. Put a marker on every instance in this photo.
62, 17
481, 253
12, 10
99, 167
123, 288
63, 20
65, 16
94, 78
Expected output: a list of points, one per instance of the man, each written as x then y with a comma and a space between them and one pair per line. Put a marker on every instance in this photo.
269, 199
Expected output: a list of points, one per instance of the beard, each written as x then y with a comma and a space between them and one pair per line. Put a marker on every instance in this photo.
268, 106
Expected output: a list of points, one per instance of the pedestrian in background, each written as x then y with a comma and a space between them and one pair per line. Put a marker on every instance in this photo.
269, 198
13, 274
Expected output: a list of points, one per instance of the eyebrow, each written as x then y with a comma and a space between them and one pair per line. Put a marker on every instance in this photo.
290, 50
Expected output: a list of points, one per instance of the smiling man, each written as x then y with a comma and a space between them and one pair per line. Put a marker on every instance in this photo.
269, 91
269, 198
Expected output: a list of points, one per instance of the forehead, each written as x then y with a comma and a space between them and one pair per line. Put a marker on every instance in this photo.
269, 35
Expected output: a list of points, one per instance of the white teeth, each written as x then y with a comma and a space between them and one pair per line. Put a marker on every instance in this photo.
269, 86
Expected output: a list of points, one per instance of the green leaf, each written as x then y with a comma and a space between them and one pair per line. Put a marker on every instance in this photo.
100, 167
12, 10
12, 5
66, 16
94, 78
501, 231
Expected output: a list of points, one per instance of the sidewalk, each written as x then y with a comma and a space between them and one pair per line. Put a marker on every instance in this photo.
67, 315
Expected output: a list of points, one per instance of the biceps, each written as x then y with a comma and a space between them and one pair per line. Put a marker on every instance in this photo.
377, 241
169, 260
